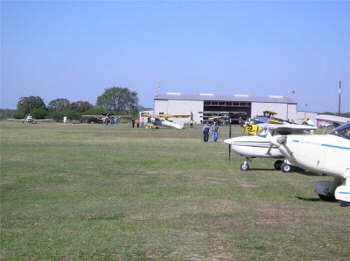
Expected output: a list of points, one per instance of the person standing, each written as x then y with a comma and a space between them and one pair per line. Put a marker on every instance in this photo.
133, 123
205, 131
214, 130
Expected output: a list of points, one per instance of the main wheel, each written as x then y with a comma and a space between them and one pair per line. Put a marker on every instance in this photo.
244, 166
278, 164
286, 167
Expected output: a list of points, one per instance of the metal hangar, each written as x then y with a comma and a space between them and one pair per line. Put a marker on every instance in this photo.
206, 105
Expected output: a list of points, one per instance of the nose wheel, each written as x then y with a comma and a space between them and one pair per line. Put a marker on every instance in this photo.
285, 167
344, 204
244, 166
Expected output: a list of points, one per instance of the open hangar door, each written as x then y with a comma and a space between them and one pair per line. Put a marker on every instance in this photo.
227, 109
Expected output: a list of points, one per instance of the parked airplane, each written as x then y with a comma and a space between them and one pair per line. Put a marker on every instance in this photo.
157, 120
267, 117
30, 119
324, 120
323, 154
259, 146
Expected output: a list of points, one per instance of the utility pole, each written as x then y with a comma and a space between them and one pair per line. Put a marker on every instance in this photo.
339, 98
305, 111
229, 136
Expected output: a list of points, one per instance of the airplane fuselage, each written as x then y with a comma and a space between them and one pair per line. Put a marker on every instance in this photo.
323, 154
254, 147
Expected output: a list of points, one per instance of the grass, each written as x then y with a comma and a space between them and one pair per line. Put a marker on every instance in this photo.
96, 192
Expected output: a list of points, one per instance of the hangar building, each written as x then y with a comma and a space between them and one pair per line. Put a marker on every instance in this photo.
206, 105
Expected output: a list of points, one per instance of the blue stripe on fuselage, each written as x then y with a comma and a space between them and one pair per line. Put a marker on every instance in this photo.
335, 147
325, 145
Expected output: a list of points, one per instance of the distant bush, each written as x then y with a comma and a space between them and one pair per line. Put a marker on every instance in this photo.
58, 115
19, 114
345, 114
40, 113
6, 113
72, 115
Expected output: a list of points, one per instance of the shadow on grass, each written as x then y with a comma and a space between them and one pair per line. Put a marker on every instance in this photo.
304, 172
308, 199
262, 169
318, 199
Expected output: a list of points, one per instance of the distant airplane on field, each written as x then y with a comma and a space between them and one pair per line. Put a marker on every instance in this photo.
164, 120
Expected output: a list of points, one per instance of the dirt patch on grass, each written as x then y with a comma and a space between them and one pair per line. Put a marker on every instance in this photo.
211, 223
272, 213
218, 257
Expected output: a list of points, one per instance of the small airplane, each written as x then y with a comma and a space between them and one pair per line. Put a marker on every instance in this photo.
29, 119
253, 126
267, 117
104, 118
163, 120
324, 120
259, 145
327, 154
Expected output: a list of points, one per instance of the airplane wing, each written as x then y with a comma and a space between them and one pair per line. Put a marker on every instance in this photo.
24, 119
287, 128
174, 115
332, 118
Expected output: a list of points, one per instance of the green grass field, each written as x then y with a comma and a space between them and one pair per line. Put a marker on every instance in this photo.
93, 192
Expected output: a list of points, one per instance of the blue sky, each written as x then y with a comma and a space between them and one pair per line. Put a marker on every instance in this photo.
75, 50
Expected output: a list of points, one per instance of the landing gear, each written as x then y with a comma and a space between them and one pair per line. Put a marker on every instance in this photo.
326, 198
278, 164
344, 204
285, 167
244, 166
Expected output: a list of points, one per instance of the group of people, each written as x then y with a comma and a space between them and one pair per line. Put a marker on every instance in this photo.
138, 123
210, 129
108, 119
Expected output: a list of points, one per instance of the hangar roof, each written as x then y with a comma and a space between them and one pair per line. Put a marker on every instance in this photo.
234, 98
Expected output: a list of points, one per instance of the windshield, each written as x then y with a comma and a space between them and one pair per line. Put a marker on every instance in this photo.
342, 131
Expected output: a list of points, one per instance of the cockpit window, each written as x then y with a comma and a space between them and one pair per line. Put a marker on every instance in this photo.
342, 131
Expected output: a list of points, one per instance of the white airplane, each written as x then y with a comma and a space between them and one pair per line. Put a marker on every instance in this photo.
259, 145
322, 154
29, 119
157, 120
167, 123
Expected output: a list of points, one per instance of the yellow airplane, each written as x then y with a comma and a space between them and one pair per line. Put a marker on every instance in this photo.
251, 128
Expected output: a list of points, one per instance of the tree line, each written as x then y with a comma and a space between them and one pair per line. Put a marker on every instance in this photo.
115, 101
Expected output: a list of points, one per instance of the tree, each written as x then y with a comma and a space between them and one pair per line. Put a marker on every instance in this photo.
59, 104
73, 115
118, 99
58, 115
19, 114
40, 113
81, 106
27, 104
95, 111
